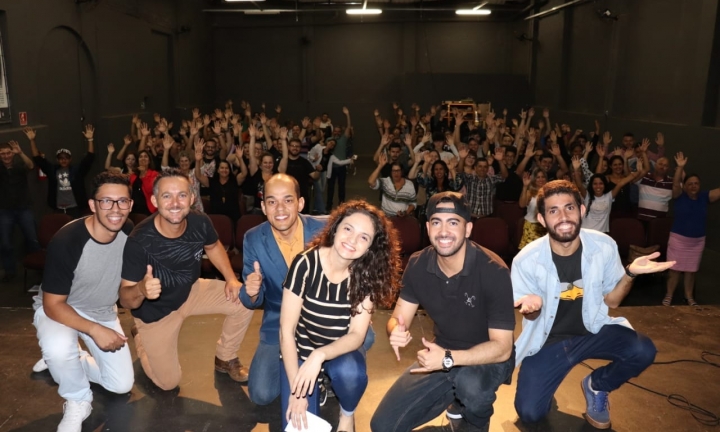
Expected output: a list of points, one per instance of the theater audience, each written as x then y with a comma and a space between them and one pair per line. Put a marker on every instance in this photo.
224, 187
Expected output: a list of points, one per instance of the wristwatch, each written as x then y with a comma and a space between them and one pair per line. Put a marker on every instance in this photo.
448, 361
629, 273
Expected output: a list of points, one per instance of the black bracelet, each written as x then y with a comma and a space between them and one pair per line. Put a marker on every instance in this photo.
630, 274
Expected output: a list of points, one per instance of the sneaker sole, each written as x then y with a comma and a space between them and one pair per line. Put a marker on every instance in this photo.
453, 416
594, 423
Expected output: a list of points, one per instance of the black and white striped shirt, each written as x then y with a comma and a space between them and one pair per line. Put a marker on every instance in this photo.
325, 314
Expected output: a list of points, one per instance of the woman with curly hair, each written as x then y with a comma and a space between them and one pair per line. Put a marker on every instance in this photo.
532, 229
330, 292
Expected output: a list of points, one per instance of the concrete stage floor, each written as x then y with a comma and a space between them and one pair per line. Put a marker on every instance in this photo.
207, 401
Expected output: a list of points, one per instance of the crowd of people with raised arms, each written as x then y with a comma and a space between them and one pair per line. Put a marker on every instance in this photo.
320, 277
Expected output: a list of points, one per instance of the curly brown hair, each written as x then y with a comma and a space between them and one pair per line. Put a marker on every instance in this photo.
377, 273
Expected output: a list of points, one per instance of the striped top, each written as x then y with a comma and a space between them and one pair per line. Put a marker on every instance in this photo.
655, 197
325, 314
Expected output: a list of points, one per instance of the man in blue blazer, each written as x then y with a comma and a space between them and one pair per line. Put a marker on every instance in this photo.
271, 246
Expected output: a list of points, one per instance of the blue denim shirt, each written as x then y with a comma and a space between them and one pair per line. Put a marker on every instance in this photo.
533, 272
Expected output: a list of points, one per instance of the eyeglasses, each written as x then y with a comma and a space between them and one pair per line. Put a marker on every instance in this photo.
107, 203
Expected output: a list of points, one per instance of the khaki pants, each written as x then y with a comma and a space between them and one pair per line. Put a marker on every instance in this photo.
156, 343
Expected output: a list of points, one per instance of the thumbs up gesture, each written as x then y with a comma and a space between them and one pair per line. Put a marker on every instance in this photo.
150, 286
429, 358
400, 336
253, 281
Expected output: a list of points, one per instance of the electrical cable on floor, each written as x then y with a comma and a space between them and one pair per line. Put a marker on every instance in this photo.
701, 415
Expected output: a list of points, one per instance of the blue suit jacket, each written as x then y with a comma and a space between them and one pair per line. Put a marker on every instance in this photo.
260, 245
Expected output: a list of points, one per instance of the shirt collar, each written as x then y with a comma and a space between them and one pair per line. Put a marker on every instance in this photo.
470, 254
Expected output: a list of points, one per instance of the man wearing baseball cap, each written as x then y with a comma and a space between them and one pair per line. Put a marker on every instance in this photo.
465, 289
66, 182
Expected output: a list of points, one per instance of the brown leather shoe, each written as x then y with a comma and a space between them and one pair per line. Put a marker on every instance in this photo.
234, 368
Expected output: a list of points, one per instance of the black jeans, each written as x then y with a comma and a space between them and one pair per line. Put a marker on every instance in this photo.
416, 399
339, 173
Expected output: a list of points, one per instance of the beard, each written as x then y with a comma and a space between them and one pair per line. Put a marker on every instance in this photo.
449, 252
564, 237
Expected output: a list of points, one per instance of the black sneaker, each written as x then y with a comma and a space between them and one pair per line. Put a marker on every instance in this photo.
454, 411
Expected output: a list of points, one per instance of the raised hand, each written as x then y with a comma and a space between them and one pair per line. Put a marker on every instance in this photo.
408, 140
199, 150
499, 153
382, 159
588, 147
660, 139
680, 159
168, 142
527, 179
252, 130
555, 149
400, 337
195, 113
150, 286
89, 132
278, 109
530, 149
452, 163
505, 111
607, 139
111, 148
576, 163
531, 112
15, 147
600, 150
523, 114
29, 133
345, 110
628, 153
156, 117
283, 133
463, 152
645, 145
206, 120
546, 112
385, 140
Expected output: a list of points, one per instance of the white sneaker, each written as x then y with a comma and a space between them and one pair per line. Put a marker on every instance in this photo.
40, 366
34, 289
75, 414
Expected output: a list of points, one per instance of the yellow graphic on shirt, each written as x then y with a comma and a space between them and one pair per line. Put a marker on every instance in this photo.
573, 292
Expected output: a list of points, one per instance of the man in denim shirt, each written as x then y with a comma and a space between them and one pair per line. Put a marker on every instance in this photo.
563, 284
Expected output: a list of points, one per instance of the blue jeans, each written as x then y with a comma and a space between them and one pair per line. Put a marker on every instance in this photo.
541, 374
415, 399
348, 374
264, 379
8, 219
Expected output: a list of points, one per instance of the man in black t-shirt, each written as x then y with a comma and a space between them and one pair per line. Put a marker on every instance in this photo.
465, 289
161, 285
301, 169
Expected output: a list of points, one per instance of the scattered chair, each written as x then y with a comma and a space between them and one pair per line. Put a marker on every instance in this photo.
626, 232
492, 233
49, 225
224, 228
244, 224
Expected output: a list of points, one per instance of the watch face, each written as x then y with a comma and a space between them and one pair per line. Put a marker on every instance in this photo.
448, 362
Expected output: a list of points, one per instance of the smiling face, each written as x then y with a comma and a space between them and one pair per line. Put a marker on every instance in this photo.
130, 161
223, 169
354, 236
173, 198
143, 159
661, 167
281, 204
598, 187
111, 220
6, 156
481, 168
447, 231
692, 185
184, 163
540, 179
562, 217
209, 149
267, 164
